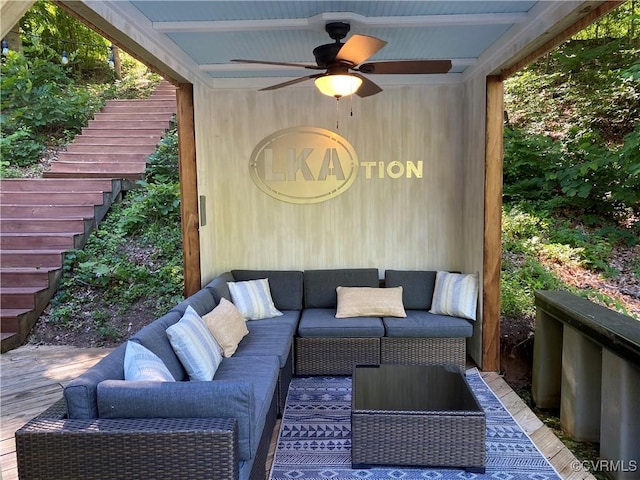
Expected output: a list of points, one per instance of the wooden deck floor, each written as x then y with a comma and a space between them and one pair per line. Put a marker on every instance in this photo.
32, 378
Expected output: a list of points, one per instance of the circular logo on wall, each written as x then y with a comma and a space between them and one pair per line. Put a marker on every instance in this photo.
304, 165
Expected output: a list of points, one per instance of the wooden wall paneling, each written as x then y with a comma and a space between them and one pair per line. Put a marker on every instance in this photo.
384, 223
188, 189
492, 225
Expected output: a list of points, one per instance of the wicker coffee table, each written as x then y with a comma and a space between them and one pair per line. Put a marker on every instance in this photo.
416, 415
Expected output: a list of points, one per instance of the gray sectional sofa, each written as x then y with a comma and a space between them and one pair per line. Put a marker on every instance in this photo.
108, 427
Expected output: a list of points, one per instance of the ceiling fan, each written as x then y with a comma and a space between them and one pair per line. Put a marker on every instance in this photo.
343, 64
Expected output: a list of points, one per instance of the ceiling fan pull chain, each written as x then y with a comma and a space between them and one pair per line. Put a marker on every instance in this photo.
337, 113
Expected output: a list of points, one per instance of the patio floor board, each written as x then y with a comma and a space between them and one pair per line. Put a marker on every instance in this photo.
33, 377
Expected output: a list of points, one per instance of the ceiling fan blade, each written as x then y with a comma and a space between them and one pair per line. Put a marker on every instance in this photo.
367, 88
282, 64
407, 67
359, 48
290, 82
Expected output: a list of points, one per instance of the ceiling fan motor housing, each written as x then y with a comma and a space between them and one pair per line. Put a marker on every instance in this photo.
326, 54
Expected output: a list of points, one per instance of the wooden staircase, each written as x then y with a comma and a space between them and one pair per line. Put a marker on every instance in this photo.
41, 219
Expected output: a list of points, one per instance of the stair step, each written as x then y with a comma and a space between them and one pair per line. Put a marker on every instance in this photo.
52, 198
9, 320
102, 157
162, 107
31, 258
86, 139
26, 276
19, 297
140, 115
43, 225
115, 169
36, 240
129, 124
123, 132
104, 149
46, 211
60, 185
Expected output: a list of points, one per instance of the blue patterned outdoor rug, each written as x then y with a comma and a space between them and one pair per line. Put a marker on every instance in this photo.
315, 439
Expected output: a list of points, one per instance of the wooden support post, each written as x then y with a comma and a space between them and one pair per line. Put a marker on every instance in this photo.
492, 248
188, 189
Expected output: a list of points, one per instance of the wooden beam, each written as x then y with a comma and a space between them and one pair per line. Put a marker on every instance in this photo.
188, 189
582, 23
492, 248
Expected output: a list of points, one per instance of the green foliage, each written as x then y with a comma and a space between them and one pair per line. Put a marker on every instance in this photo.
122, 268
161, 164
47, 24
19, 148
153, 203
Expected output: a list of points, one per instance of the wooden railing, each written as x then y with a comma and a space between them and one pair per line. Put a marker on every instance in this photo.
586, 361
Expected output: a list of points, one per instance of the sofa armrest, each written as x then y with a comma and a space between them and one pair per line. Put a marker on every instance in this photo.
118, 399
185, 448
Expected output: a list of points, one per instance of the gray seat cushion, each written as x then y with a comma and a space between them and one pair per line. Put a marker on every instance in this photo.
266, 341
322, 323
320, 285
420, 323
288, 322
417, 287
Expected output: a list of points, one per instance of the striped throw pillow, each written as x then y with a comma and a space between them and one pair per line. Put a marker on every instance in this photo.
456, 295
195, 346
253, 299
141, 364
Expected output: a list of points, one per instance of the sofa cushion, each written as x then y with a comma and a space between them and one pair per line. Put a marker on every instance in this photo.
262, 372
227, 326
420, 323
195, 346
322, 323
417, 287
285, 285
81, 393
455, 294
202, 302
369, 302
240, 390
253, 299
141, 364
320, 285
287, 322
219, 288
154, 338
266, 341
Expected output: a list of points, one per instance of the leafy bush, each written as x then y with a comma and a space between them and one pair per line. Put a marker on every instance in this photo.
19, 148
161, 164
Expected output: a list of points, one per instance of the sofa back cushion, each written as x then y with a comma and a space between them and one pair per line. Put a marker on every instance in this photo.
219, 288
320, 285
81, 393
417, 287
285, 285
202, 302
154, 337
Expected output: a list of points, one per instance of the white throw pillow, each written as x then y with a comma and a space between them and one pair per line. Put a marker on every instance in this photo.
195, 346
141, 364
369, 302
456, 295
253, 299
227, 325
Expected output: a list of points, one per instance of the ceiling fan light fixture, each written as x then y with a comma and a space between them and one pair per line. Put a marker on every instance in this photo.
338, 86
